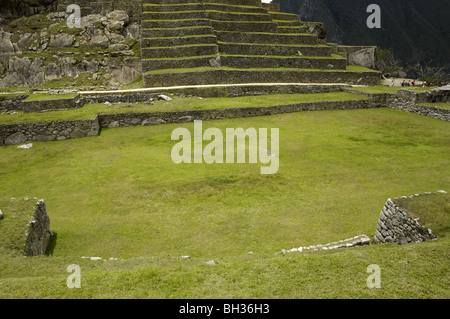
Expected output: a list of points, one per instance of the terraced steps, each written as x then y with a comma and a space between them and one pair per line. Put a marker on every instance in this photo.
265, 37
174, 24
180, 51
235, 42
202, 13
177, 32
245, 26
210, 75
175, 63
285, 16
255, 61
274, 49
178, 40
293, 29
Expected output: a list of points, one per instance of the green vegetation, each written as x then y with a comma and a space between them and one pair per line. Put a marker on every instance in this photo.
23, 25
120, 195
17, 214
390, 89
432, 210
47, 97
177, 104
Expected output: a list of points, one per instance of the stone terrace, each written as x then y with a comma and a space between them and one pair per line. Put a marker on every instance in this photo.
235, 41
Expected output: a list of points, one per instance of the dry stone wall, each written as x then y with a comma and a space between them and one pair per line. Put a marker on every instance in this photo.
12, 134
38, 232
25, 227
406, 100
396, 226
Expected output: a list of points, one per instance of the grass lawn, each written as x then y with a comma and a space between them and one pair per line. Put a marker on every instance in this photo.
177, 104
390, 89
120, 195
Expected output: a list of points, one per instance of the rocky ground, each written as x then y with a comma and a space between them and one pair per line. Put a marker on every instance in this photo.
104, 51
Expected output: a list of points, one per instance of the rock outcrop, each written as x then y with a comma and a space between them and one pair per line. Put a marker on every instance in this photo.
107, 47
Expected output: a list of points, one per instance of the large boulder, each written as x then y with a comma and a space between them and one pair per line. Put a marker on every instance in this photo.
366, 57
6, 46
116, 21
61, 40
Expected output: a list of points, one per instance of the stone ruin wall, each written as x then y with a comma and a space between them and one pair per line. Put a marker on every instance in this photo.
396, 226
35, 235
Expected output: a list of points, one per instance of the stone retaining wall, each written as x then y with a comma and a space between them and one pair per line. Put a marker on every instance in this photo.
18, 103
133, 119
12, 134
396, 226
406, 100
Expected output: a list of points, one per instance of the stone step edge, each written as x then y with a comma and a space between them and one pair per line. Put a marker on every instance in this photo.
359, 240
229, 69
166, 88
115, 120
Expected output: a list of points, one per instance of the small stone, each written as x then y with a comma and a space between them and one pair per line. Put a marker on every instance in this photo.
185, 257
114, 124
164, 97
211, 263
26, 146
95, 258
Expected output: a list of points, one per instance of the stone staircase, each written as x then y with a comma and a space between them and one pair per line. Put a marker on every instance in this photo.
235, 41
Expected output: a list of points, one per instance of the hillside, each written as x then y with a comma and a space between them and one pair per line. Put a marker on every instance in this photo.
417, 31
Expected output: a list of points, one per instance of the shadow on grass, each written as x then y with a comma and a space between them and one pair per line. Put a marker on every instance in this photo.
51, 245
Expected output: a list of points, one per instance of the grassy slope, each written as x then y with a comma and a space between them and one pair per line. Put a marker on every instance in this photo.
17, 214
120, 195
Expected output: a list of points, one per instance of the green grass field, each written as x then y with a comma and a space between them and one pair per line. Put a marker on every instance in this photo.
120, 195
